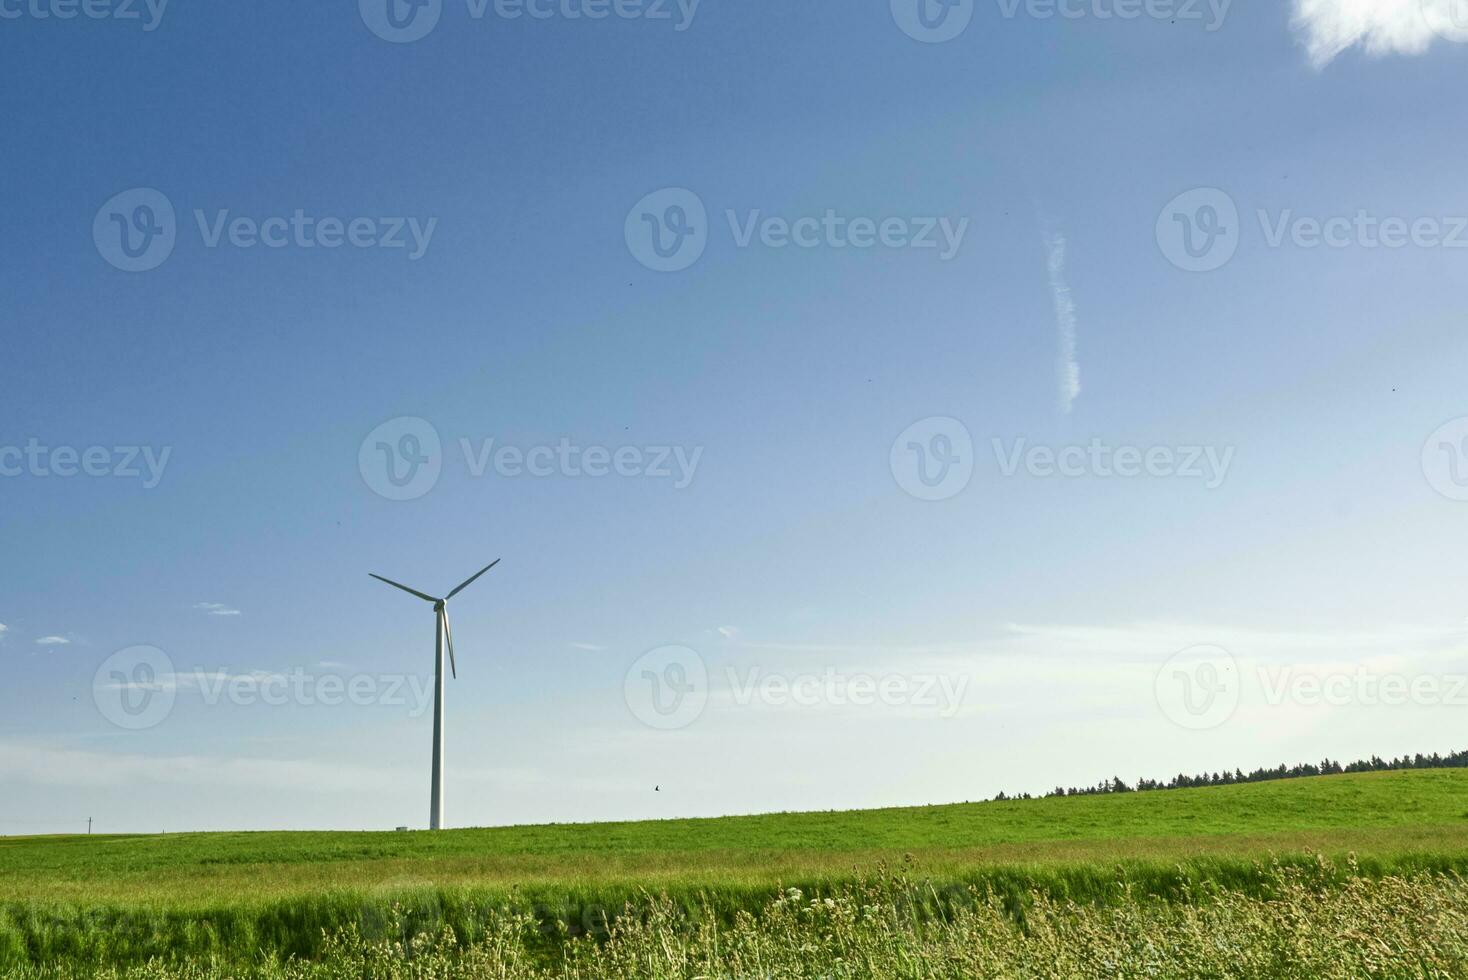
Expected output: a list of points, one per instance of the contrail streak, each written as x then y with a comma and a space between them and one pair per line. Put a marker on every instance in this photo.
1068, 369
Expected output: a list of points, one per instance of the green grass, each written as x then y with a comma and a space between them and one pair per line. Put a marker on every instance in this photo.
1313, 926
89, 900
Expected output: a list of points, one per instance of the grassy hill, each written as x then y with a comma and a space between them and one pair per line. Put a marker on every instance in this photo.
146, 895
1379, 814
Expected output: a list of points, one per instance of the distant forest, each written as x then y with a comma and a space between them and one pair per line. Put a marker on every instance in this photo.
1326, 767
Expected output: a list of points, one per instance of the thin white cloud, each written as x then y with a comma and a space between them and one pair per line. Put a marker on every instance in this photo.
859, 648
591, 647
60, 766
1068, 371
198, 680
216, 609
728, 632
52, 641
1079, 671
1380, 27
1143, 642
3, 629
1146, 641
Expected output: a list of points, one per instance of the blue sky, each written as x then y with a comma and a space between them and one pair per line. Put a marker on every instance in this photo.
841, 513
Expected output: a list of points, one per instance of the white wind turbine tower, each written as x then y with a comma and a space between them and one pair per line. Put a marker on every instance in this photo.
444, 637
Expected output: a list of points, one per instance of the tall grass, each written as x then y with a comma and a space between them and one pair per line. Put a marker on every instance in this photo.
1315, 919
122, 933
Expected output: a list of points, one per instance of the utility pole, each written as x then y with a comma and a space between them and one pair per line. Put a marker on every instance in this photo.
89, 826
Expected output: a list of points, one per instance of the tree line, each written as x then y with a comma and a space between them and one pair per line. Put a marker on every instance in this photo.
1325, 767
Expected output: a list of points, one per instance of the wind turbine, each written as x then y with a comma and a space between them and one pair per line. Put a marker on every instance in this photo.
444, 637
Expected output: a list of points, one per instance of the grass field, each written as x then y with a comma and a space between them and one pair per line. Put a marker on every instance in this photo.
253, 899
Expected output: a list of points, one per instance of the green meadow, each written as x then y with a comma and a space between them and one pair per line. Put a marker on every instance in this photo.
243, 902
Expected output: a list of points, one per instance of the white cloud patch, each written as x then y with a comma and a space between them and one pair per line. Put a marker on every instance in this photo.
216, 609
1068, 370
3, 629
52, 641
589, 647
1380, 27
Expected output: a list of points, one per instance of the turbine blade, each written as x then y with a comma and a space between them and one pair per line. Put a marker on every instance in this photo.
399, 585
470, 581
448, 635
